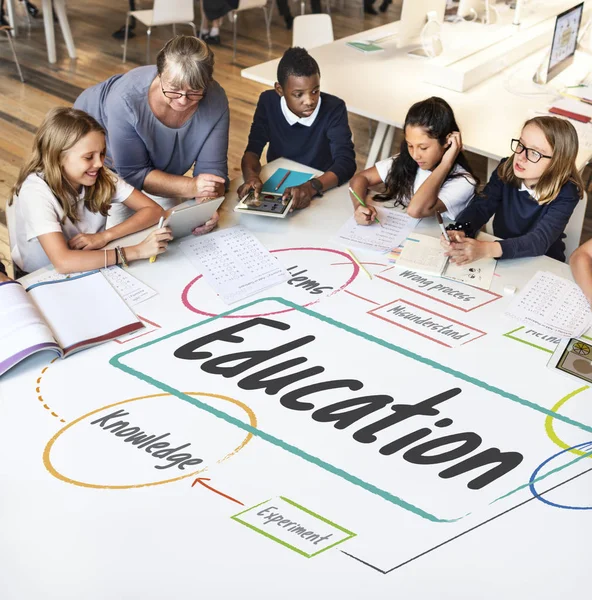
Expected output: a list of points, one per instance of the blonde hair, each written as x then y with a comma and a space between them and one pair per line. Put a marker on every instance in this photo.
188, 62
563, 139
61, 129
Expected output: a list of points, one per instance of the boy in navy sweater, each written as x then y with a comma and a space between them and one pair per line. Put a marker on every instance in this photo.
302, 124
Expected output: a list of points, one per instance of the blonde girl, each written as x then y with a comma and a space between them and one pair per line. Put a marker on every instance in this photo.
62, 198
532, 195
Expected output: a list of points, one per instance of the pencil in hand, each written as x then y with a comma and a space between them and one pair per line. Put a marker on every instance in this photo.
160, 223
362, 203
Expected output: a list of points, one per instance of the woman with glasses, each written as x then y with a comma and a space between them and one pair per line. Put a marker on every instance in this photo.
531, 196
161, 120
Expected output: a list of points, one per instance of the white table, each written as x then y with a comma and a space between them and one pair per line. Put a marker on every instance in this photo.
85, 540
382, 87
47, 9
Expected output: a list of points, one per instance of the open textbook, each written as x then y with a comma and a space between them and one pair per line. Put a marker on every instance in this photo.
424, 253
62, 316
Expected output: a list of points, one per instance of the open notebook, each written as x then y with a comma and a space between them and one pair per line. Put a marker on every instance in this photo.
62, 316
424, 254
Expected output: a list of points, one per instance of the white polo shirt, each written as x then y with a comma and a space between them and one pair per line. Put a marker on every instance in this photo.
455, 193
36, 211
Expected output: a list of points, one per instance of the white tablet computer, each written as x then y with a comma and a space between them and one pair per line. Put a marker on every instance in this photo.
268, 205
186, 217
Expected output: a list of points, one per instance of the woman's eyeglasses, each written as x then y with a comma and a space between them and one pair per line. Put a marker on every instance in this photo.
531, 155
192, 96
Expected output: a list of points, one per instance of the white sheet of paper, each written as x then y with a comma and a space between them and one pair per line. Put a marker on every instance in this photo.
130, 288
423, 253
478, 274
554, 304
234, 263
396, 225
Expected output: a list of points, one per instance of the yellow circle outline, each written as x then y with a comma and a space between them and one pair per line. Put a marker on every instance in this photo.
549, 423
58, 475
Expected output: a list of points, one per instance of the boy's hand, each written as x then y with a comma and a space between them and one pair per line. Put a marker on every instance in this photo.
301, 195
253, 183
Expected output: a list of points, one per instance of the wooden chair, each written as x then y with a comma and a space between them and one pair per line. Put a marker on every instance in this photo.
7, 29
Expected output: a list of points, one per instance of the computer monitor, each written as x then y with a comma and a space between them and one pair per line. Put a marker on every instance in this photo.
414, 17
565, 40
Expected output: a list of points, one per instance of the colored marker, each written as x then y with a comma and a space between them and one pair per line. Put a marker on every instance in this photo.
441, 223
160, 222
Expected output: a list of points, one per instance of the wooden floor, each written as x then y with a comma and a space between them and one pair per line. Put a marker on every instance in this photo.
23, 106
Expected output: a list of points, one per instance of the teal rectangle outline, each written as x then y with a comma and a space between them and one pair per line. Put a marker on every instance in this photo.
350, 535
353, 479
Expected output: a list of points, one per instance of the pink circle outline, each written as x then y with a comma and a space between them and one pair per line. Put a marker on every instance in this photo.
188, 305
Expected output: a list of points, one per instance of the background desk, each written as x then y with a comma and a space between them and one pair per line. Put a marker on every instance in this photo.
47, 9
383, 86
81, 538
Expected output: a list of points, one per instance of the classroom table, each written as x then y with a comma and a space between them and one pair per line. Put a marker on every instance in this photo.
83, 514
382, 86
47, 8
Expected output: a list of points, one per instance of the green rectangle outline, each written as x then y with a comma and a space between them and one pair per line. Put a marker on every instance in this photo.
303, 509
385, 495
524, 341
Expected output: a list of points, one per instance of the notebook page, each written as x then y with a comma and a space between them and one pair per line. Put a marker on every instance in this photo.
22, 329
83, 310
234, 263
478, 273
423, 253
394, 227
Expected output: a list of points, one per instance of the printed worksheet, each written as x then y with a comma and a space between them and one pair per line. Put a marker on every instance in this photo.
554, 304
393, 228
234, 263
423, 253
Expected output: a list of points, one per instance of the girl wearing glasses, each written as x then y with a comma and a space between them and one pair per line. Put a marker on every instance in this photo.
531, 196
161, 120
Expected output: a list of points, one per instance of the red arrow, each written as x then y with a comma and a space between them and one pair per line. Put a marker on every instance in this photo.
201, 481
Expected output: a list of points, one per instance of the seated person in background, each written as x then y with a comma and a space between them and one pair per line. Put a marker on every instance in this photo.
62, 197
302, 124
429, 174
581, 267
532, 195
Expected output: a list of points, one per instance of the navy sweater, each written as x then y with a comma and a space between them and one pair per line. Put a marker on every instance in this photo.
326, 145
528, 228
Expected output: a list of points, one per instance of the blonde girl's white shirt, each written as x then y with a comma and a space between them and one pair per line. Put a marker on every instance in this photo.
36, 211
455, 193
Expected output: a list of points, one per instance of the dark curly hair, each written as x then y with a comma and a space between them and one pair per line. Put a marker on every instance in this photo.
297, 62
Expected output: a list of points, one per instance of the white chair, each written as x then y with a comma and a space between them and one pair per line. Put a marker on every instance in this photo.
164, 12
311, 31
247, 5
573, 231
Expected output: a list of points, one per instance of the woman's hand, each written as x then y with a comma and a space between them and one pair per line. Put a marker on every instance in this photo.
156, 243
454, 141
253, 184
208, 226
89, 241
365, 215
207, 185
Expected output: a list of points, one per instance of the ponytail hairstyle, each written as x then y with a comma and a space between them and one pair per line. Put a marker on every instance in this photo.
61, 129
563, 139
436, 117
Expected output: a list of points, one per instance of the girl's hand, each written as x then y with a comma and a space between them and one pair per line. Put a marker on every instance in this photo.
88, 241
365, 215
156, 243
254, 183
455, 236
208, 226
467, 251
454, 141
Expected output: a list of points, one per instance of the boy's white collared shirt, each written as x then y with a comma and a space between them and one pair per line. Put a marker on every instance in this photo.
293, 119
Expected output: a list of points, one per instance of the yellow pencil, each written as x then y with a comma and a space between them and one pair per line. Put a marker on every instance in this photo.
358, 262
153, 258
